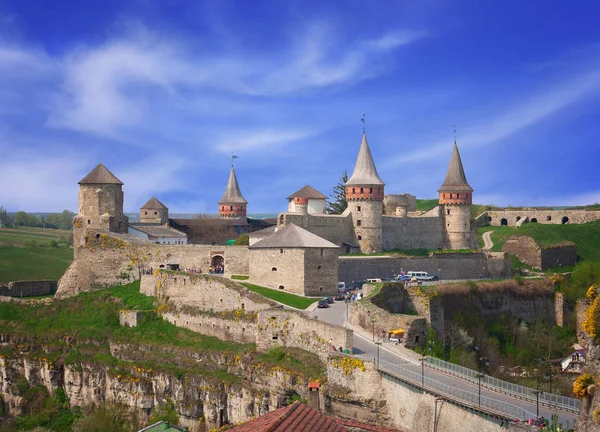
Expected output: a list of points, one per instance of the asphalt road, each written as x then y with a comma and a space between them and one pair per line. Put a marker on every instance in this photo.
365, 349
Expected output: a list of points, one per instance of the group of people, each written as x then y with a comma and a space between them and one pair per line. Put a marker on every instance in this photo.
218, 269
193, 270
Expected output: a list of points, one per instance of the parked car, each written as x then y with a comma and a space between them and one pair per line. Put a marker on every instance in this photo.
421, 276
340, 297
342, 287
323, 303
402, 278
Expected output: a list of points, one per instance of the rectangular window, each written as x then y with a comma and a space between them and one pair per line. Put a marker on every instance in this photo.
448, 211
357, 208
358, 222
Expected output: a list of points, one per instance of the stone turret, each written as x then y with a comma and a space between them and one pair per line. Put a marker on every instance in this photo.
232, 204
364, 193
455, 198
100, 205
307, 200
154, 212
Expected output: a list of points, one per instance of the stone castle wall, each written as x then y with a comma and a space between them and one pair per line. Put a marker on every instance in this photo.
446, 266
560, 255
413, 233
278, 268
335, 228
292, 328
28, 288
494, 217
109, 259
541, 257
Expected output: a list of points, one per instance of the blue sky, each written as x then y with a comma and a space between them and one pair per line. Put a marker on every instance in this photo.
162, 92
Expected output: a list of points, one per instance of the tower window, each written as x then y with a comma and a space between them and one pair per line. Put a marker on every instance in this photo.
457, 196
274, 269
371, 191
155, 213
358, 222
444, 196
280, 250
230, 208
145, 213
89, 222
353, 191
361, 191
450, 196
448, 211
357, 208
360, 237
321, 253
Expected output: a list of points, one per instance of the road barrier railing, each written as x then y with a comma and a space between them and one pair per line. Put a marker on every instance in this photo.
468, 398
495, 384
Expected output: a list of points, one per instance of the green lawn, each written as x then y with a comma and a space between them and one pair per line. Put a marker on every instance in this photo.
240, 277
292, 300
585, 236
25, 263
426, 204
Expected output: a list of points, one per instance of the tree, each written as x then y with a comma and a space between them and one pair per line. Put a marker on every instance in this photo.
337, 203
4, 220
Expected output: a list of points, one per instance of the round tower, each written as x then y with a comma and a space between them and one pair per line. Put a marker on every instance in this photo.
455, 199
232, 204
154, 212
100, 205
364, 193
301, 205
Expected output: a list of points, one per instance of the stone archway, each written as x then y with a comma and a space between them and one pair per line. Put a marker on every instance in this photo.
565, 220
503, 222
218, 263
533, 220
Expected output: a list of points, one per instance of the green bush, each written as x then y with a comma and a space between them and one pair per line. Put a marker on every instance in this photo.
242, 240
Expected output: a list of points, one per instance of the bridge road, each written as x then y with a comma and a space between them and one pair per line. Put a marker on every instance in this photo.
367, 351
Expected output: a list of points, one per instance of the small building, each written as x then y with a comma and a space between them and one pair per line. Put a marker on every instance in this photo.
158, 234
307, 200
154, 212
574, 363
295, 260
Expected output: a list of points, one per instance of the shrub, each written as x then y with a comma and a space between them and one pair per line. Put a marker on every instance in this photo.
581, 384
242, 240
591, 324
165, 412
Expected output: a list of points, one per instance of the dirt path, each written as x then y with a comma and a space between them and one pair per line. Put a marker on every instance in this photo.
488, 244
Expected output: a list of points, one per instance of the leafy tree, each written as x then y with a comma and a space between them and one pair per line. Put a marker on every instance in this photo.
20, 218
4, 219
337, 203
242, 240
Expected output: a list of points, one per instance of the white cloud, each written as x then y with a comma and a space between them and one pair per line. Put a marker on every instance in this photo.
242, 141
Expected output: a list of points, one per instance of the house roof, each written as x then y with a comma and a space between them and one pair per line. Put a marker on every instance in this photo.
455, 177
307, 192
154, 204
263, 232
232, 194
365, 172
158, 231
100, 175
292, 418
292, 236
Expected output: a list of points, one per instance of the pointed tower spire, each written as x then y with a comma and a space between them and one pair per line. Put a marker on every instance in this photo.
455, 180
232, 204
365, 173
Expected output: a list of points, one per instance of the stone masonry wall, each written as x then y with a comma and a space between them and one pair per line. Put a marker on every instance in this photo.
335, 228
320, 272
541, 216
526, 249
28, 288
295, 329
112, 259
560, 255
446, 266
278, 268
413, 233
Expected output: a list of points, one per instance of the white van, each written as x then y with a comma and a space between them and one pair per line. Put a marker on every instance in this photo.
374, 280
421, 276
342, 287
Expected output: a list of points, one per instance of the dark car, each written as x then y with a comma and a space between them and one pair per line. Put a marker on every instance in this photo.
329, 299
323, 303
340, 297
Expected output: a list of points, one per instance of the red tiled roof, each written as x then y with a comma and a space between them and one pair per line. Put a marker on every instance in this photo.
314, 385
293, 418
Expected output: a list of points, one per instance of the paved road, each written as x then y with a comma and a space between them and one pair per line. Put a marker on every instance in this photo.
488, 244
367, 350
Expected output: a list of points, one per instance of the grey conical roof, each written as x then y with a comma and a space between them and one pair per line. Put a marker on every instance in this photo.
154, 204
455, 177
292, 236
100, 175
232, 194
365, 172
307, 192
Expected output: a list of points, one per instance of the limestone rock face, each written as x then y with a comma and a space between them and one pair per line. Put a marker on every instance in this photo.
589, 413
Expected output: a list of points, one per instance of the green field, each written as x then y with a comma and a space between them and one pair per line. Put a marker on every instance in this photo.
292, 300
586, 236
25, 254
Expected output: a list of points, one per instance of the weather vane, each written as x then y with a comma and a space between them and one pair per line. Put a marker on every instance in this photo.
363, 122
232, 158
454, 134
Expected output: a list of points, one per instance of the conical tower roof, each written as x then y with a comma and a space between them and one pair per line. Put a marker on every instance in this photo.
100, 175
154, 204
292, 236
232, 194
365, 172
455, 181
307, 192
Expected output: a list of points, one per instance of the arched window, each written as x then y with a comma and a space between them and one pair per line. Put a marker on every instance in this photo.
230, 208
361, 191
370, 191
353, 191
503, 222
565, 220
360, 237
274, 269
281, 287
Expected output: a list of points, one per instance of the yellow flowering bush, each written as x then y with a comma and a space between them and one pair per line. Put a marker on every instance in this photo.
592, 292
591, 325
581, 384
348, 364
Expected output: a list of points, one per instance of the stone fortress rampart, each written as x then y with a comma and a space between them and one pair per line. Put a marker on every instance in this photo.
541, 257
517, 217
28, 288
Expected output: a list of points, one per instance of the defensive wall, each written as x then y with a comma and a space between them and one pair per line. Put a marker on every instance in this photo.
413, 233
338, 229
379, 398
445, 265
28, 288
539, 256
532, 215
217, 306
109, 259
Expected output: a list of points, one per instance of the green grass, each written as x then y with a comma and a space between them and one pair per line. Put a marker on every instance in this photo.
240, 277
288, 299
426, 204
18, 235
585, 236
23, 263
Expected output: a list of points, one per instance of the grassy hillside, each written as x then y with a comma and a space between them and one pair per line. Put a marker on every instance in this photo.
586, 236
28, 253
426, 204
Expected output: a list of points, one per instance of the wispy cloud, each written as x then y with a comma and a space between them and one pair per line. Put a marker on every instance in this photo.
242, 141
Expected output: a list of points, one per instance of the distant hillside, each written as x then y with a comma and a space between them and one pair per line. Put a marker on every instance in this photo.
586, 236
